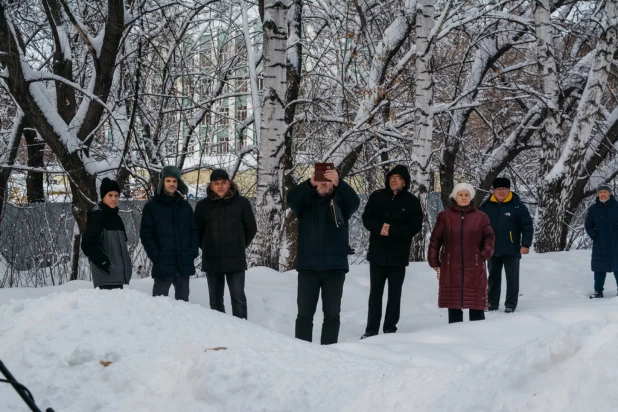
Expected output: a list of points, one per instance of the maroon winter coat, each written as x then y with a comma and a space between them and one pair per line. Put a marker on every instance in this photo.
461, 242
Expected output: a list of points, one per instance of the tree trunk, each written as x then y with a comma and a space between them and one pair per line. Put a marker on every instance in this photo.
564, 180
294, 70
8, 158
34, 181
423, 117
267, 243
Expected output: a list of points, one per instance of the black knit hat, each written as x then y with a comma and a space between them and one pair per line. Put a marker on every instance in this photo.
219, 174
604, 187
501, 182
108, 185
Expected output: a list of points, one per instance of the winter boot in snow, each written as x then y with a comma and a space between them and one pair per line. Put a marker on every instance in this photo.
368, 335
596, 295
492, 308
509, 310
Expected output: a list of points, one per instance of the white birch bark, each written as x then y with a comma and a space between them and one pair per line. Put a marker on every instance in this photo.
267, 243
255, 97
550, 219
423, 115
568, 175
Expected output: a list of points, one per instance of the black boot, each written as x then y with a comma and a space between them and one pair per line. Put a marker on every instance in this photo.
596, 295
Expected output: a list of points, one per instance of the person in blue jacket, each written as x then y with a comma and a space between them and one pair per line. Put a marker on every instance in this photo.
323, 210
168, 233
602, 227
512, 224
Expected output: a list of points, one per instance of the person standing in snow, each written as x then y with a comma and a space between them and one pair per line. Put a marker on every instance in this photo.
512, 224
105, 241
169, 235
460, 244
602, 227
323, 210
226, 226
393, 216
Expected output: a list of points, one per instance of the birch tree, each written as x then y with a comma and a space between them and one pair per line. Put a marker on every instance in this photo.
583, 149
266, 245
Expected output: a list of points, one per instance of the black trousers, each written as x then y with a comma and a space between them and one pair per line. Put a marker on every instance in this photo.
309, 285
110, 287
236, 285
511, 269
181, 287
378, 275
456, 315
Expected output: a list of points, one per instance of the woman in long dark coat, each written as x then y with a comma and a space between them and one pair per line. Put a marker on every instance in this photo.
461, 242
602, 227
105, 241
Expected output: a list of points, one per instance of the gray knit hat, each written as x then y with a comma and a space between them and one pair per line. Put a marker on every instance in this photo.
604, 187
172, 171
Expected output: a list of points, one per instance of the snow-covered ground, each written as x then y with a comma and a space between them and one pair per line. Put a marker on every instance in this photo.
558, 352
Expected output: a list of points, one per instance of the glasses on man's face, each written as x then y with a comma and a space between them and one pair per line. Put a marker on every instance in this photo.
501, 189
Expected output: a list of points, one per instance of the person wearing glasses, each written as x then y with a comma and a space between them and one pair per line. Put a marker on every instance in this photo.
512, 224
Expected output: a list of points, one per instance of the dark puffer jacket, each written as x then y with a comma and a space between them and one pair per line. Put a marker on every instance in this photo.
169, 235
323, 226
461, 242
404, 214
602, 227
226, 226
105, 245
511, 222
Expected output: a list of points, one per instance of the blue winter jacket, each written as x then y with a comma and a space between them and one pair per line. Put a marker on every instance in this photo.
511, 222
323, 226
169, 235
602, 227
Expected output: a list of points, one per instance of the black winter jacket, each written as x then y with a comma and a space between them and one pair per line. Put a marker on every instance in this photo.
323, 226
511, 222
602, 227
404, 214
226, 226
169, 235
105, 245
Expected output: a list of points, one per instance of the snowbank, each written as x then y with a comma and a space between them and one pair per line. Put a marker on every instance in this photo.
556, 353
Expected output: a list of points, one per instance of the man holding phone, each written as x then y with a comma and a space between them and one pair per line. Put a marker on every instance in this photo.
323, 206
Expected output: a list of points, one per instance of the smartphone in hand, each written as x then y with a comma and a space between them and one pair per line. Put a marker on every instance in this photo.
320, 168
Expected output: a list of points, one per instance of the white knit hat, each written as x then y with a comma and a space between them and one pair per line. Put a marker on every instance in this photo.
463, 186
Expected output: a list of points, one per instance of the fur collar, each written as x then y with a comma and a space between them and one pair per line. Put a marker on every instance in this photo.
230, 193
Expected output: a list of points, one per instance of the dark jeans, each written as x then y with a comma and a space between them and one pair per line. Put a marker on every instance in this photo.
110, 287
456, 315
309, 284
599, 280
236, 284
511, 269
378, 276
181, 287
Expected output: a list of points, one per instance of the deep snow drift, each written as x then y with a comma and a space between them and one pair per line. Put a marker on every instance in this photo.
556, 353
